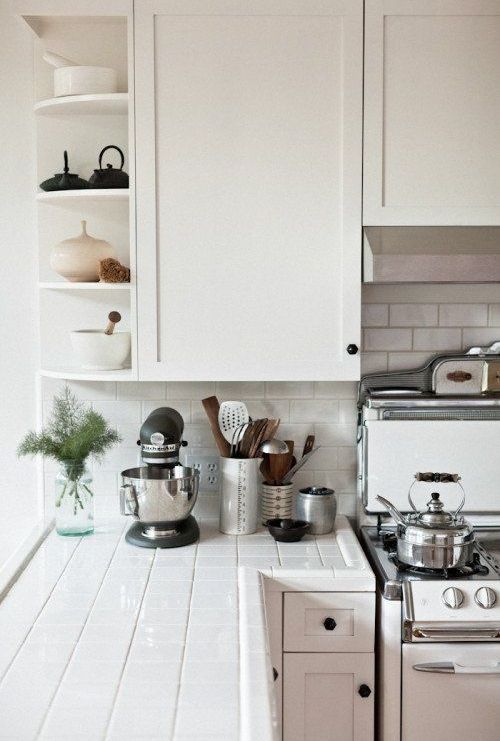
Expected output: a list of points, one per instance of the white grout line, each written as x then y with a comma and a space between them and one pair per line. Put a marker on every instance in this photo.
77, 544
183, 656
117, 692
238, 608
51, 702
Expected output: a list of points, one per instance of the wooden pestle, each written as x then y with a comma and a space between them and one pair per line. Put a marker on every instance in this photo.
114, 317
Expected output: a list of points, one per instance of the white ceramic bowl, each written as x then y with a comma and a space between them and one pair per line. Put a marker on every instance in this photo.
79, 80
98, 351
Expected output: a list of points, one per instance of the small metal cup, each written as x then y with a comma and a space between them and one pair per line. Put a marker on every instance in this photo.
318, 507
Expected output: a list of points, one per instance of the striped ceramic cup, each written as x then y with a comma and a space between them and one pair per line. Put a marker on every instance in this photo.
276, 501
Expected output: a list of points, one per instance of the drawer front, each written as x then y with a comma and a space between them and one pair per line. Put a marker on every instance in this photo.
329, 621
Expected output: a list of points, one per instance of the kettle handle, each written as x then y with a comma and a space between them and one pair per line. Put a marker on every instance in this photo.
112, 146
457, 481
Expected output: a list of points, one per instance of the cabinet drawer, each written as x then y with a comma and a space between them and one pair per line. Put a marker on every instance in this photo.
329, 621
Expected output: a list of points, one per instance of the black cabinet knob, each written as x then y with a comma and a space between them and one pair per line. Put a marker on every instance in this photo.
329, 623
364, 690
275, 674
352, 349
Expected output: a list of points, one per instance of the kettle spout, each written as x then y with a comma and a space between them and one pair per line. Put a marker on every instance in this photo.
396, 514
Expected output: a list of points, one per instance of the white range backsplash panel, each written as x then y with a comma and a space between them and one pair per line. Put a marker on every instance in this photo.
400, 448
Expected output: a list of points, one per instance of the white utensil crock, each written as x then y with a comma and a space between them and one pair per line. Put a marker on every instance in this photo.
239, 501
98, 351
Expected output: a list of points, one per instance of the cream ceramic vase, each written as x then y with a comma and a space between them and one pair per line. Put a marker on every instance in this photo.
77, 259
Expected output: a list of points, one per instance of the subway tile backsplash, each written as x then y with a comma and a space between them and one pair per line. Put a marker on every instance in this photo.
433, 317
403, 327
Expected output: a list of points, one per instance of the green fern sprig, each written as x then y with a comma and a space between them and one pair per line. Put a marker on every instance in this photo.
73, 433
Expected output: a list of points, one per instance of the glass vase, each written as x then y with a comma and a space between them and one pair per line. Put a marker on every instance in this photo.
74, 500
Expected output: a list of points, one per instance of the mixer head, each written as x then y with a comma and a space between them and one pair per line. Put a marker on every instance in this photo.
161, 437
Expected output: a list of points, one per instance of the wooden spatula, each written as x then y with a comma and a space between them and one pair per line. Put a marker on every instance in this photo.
308, 445
211, 406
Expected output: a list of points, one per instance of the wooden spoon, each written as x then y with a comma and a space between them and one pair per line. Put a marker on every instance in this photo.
211, 406
246, 441
258, 433
114, 317
279, 465
265, 469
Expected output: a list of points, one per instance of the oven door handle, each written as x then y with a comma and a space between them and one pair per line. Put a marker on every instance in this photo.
457, 633
450, 667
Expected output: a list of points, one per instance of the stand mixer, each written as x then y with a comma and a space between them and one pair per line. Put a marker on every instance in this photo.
161, 494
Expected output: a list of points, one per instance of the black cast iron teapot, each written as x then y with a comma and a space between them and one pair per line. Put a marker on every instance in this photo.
110, 177
65, 180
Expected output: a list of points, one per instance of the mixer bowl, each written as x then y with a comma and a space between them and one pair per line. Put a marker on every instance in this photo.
159, 496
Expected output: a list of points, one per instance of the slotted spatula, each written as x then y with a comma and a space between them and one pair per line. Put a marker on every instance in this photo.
232, 414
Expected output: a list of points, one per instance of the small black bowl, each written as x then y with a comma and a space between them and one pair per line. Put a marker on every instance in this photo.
287, 531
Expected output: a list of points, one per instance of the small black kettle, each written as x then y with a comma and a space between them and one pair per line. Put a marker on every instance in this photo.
64, 180
110, 177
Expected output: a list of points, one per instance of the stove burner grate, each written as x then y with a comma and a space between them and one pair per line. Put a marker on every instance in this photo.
476, 567
390, 542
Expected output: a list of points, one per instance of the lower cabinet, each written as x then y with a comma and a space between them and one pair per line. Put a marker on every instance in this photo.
328, 697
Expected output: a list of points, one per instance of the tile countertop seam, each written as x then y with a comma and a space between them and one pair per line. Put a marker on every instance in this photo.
113, 705
258, 711
110, 561
176, 714
64, 569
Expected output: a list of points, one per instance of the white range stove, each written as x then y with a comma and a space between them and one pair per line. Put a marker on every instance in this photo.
438, 631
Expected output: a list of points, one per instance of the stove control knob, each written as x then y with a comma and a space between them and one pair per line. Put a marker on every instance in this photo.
453, 597
485, 597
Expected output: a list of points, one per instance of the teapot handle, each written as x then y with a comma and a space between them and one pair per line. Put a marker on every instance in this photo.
455, 479
112, 146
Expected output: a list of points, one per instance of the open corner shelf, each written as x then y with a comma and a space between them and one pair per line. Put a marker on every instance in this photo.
78, 374
68, 286
77, 197
84, 105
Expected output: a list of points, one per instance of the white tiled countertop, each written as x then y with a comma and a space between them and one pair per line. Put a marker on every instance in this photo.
100, 639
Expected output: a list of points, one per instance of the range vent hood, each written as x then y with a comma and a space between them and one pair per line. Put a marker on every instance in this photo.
421, 254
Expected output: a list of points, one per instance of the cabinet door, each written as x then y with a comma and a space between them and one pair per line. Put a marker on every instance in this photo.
248, 146
322, 700
432, 106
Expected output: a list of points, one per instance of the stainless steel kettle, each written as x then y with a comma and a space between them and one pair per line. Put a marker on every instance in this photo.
434, 538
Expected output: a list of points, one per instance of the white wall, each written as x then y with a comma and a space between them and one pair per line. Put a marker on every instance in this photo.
18, 293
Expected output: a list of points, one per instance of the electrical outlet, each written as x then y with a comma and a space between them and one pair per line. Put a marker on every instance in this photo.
208, 466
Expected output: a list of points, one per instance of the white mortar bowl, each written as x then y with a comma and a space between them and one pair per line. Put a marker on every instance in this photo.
98, 351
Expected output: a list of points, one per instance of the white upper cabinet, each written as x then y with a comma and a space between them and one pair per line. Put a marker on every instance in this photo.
248, 134
432, 112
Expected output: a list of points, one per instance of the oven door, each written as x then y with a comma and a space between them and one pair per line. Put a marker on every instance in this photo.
455, 695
